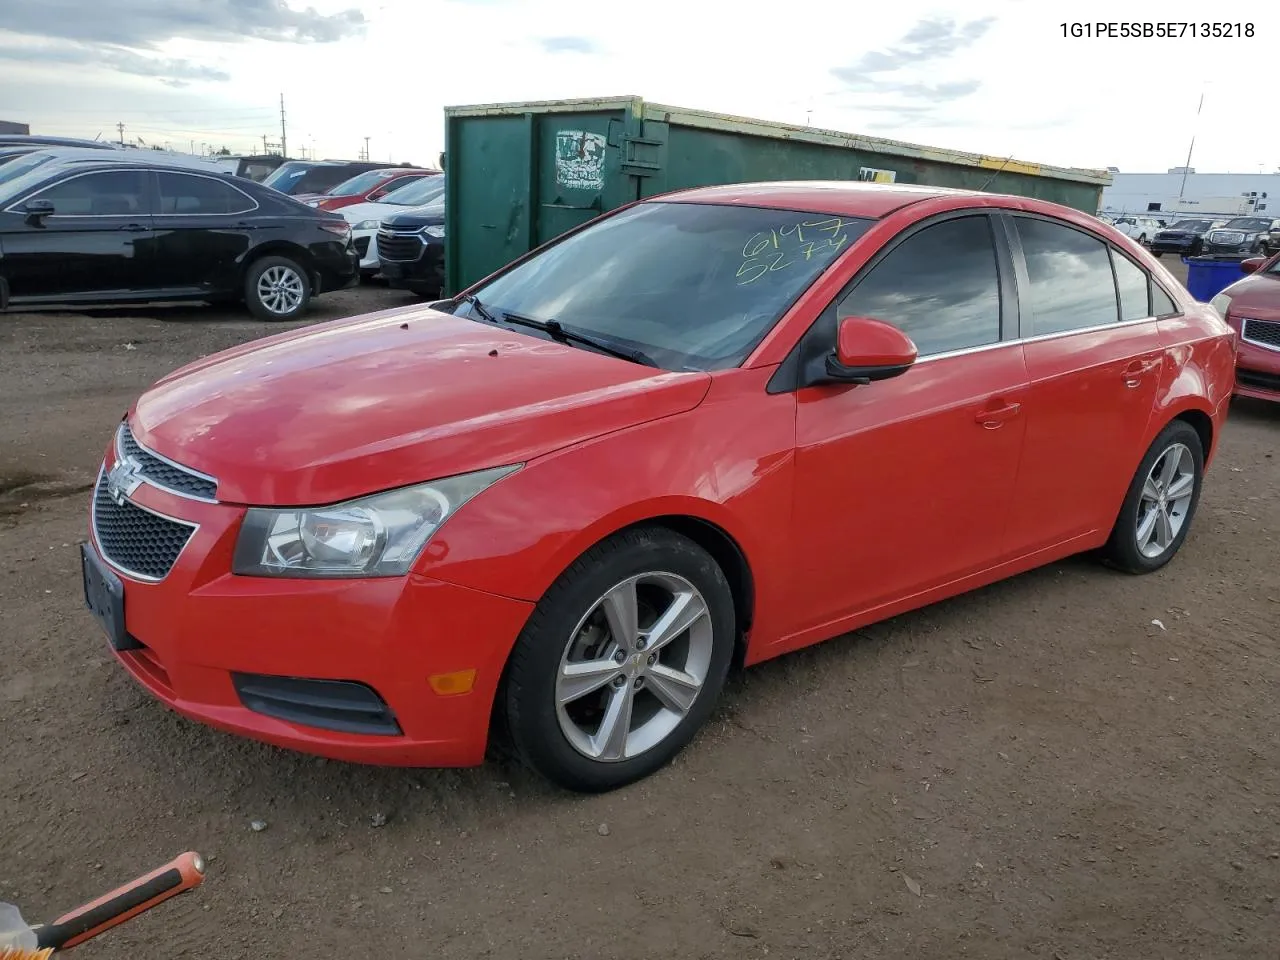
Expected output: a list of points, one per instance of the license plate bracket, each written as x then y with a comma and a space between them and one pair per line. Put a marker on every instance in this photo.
104, 596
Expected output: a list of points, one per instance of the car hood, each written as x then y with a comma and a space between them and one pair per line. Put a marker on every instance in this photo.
356, 406
369, 210
413, 218
1257, 296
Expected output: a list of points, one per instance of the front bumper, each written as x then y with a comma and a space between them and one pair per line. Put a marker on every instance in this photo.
1257, 368
200, 630
1173, 246
366, 244
419, 268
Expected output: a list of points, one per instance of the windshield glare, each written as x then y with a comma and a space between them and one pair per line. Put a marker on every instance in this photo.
1248, 223
23, 165
361, 183
694, 286
1191, 225
416, 192
286, 173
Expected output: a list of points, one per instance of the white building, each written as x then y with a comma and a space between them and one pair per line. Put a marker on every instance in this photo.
1182, 190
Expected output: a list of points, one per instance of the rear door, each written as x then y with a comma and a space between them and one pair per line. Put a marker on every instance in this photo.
97, 243
203, 227
1094, 359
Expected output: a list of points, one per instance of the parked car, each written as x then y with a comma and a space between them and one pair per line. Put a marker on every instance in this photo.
252, 166
28, 161
1185, 237
371, 185
1240, 236
122, 230
1251, 306
1271, 243
411, 248
1141, 229
554, 500
366, 218
312, 177
40, 140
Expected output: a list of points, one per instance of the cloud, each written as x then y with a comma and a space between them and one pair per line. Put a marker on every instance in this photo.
144, 24
955, 90
568, 45
928, 40
175, 73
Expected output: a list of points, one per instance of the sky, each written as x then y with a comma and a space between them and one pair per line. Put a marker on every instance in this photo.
996, 77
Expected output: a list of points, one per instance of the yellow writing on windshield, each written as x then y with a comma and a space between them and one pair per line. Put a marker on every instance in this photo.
779, 247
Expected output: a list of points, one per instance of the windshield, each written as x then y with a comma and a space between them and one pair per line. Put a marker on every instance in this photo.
694, 286
1192, 225
286, 174
416, 192
23, 164
1254, 224
360, 184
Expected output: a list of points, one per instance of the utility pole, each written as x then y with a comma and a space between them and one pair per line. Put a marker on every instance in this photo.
120, 127
284, 143
1187, 167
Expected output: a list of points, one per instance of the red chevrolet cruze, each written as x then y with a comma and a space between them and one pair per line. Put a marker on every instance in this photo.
718, 425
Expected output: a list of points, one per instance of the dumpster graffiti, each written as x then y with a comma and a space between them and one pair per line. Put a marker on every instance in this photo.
580, 159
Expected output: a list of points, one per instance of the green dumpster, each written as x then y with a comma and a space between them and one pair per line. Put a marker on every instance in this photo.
521, 174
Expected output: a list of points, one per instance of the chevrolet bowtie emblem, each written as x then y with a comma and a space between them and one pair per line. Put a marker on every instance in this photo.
124, 477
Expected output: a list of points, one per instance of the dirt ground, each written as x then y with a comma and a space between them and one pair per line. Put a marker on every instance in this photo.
1038, 769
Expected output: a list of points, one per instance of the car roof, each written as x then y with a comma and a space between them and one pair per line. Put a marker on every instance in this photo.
81, 158
847, 198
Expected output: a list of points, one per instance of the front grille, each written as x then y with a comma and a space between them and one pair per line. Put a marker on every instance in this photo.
399, 247
1226, 237
135, 540
339, 705
362, 246
1264, 333
162, 473
1258, 380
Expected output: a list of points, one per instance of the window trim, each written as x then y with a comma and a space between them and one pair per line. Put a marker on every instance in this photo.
1115, 275
146, 195
202, 176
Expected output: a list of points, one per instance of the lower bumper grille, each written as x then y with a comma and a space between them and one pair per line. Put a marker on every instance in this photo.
339, 705
362, 246
393, 246
136, 541
1257, 380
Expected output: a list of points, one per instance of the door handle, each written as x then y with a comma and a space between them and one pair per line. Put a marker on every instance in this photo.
995, 417
246, 226
134, 227
1135, 371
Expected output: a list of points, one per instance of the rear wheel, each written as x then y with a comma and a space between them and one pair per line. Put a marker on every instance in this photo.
276, 288
621, 662
1142, 239
1161, 502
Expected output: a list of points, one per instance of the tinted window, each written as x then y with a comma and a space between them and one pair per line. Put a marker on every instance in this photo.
1071, 286
1162, 304
111, 193
1132, 281
319, 179
360, 183
416, 192
181, 194
939, 287
694, 286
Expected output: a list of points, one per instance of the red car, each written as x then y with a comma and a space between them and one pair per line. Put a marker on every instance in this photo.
1251, 306
706, 428
367, 186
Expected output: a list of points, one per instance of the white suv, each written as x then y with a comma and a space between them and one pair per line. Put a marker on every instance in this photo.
1141, 229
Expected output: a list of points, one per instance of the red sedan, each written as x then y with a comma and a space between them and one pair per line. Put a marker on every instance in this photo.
1252, 307
364, 187
718, 425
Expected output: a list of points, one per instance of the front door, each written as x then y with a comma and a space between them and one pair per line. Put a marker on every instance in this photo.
1094, 357
96, 244
904, 484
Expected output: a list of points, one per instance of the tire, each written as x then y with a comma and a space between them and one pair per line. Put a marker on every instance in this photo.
555, 732
1142, 239
1157, 254
1130, 548
288, 280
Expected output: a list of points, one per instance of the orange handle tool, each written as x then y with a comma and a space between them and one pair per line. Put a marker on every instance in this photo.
123, 903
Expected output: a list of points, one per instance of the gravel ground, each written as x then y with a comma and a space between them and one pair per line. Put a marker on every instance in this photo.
1037, 769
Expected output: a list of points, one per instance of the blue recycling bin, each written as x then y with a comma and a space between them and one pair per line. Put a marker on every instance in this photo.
1209, 276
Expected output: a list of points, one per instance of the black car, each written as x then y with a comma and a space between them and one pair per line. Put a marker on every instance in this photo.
39, 140
1185, 237
295, 177
411, 249
124, 230
1241, 237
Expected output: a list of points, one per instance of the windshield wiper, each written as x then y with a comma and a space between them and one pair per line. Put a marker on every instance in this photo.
559, 331
477, 306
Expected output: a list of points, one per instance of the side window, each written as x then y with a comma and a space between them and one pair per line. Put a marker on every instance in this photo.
114, 193
1162, 304
182, 194
1071, 286
1132, 281
939, 287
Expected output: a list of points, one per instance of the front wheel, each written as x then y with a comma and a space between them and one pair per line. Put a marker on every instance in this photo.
621, 662
1142, 239
276, 288
1161, 502
1157, 254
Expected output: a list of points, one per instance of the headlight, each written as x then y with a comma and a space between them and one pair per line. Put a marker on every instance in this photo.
1220, 303
434, 231
366, 225
378, 536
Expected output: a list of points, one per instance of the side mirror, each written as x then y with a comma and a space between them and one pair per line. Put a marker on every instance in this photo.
868, 350
1252, 264
37, 210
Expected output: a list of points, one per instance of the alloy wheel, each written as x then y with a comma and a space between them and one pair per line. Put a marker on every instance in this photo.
280, 290
1165, 500
633, 666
